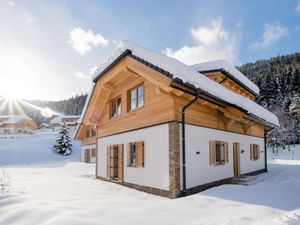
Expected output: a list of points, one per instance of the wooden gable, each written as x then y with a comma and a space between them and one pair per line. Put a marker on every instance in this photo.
225, 81
163, 103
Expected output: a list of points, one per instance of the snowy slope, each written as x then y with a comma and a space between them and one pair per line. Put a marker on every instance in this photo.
34, 148
68, 193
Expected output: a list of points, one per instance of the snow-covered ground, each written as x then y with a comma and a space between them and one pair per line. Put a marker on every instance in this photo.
66, 192
34, 148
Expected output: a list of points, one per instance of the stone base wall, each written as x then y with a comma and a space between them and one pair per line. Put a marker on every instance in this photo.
150, 190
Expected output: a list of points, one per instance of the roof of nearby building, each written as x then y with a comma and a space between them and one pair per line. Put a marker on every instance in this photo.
179, 71
12, 119
224, 66
59, 119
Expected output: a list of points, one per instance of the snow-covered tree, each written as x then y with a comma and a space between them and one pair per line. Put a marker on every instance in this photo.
63, 142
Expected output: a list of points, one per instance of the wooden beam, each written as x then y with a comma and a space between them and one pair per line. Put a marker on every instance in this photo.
230, 123
247, 128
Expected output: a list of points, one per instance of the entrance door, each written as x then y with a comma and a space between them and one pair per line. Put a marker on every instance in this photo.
236, 159
115, 162
87, 156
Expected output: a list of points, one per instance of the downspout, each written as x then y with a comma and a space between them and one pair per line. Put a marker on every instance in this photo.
183, 139
265, 140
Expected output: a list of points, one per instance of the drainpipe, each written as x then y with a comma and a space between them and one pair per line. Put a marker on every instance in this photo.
265, 139
183, 138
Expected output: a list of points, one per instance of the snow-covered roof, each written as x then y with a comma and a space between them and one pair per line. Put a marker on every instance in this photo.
59, 119
12, 119
188, 75
225, 66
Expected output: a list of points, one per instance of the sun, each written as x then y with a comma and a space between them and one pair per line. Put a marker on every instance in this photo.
11, 97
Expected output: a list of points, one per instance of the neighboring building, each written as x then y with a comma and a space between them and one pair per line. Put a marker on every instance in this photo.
87, 136
71, 121
16, 125
44, 126
167, 128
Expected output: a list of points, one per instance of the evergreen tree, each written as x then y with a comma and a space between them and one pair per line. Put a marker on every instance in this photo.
63, 142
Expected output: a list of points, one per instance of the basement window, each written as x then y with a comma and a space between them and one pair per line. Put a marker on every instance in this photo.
115, 107
218, 152
254, 152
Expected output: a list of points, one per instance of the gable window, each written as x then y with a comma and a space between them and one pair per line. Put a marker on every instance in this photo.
136, 97
218, 152
136, 154
115, 107
93, 133
254, 152
87, 134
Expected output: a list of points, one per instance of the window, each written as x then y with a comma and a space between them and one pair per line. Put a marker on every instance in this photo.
87, 134
93, 152
218, 152
136, 154
254, 152
115, 107
93, 133
136, 97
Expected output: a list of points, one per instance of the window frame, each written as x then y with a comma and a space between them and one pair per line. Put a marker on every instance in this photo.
130, 163
115, 100
255, 155
218, 153
129, 102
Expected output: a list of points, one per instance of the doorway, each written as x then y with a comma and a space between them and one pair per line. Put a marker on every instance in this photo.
87, 155
115, 162
236, 159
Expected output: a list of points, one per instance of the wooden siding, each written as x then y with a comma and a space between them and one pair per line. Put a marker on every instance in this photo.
161, 104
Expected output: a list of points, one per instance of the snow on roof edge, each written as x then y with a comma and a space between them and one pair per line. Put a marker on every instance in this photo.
189, 75
224, 65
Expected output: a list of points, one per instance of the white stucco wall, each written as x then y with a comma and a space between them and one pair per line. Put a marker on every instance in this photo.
156, 141
198, 169
83, 147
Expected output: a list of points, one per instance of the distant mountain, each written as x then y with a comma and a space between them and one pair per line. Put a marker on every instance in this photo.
71, 106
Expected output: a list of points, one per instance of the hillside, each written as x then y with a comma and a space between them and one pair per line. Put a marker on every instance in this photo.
278, 79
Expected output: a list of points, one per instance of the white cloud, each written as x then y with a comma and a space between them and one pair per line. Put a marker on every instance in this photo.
83, 76
11, 3
211, 42
272, 33
298, 8
83, 41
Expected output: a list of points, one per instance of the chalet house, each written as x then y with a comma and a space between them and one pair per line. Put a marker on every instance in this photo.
171, 129
16, 125
71, 121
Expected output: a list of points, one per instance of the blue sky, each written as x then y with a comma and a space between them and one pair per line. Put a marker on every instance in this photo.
52, 46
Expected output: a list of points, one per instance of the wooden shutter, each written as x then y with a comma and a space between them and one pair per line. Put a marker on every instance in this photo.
226, 152
212, 152
120, 163
251, 152
140, 154
108, 152
258, 151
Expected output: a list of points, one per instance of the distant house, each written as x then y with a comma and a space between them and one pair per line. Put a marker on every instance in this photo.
87, 136
171, 129
71, 121
44, 125
16, 125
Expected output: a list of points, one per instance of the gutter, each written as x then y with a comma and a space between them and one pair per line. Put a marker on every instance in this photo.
183, 138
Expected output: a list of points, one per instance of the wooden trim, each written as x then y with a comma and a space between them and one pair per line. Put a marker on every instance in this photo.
157, 124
